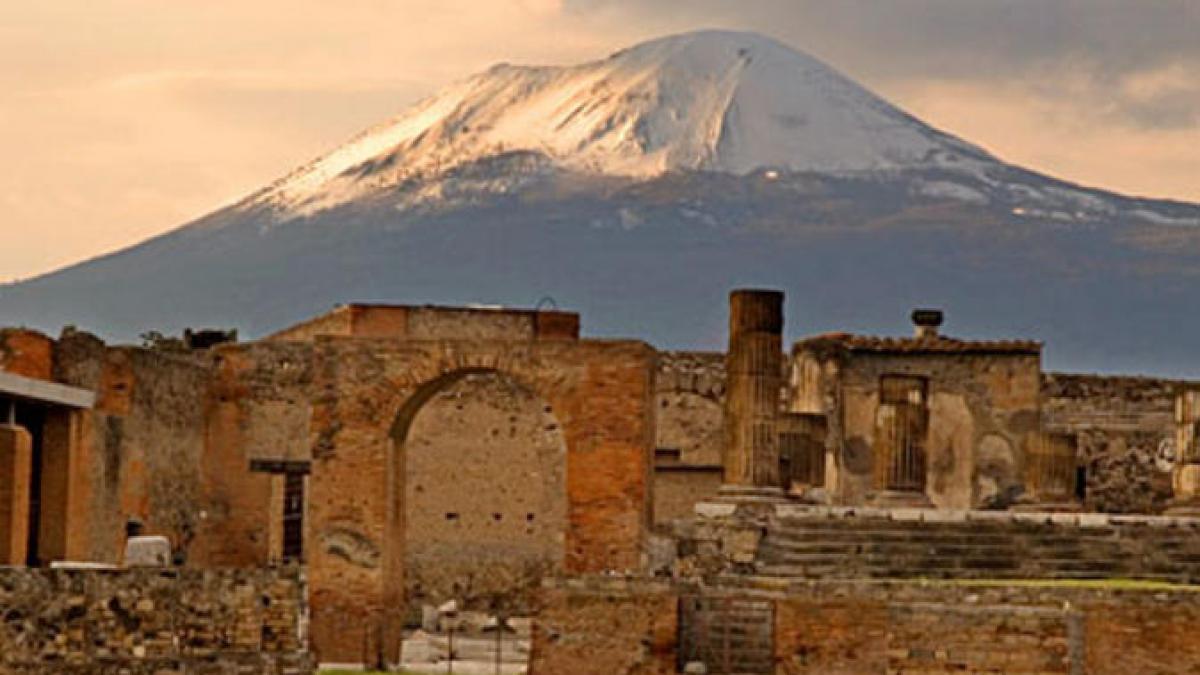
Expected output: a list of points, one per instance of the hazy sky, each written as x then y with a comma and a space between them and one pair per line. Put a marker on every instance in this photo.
121, 119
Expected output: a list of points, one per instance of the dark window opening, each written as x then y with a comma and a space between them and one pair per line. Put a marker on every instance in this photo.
293, 516
33, 419
802, 458
903, 429
1081, 483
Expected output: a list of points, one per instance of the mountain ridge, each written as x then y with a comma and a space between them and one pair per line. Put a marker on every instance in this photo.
647, 242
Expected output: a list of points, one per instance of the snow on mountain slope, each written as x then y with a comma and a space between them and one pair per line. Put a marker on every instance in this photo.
639, 189
712, 101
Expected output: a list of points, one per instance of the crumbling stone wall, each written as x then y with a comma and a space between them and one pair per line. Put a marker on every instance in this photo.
1126, 436
689, 423
138, 453
689, 391
485, 495
619, 626
152, 621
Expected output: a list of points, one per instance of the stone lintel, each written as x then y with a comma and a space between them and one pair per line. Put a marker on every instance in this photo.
41, 391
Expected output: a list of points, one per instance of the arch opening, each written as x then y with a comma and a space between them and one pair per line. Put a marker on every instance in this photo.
478, 492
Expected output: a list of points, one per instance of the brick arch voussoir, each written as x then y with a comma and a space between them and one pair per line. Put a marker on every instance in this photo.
554, 386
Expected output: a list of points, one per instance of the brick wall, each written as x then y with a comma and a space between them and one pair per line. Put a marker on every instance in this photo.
485, 496
369, 391
151, 621
26, 353
605, 630
257, 409
434, 323
619, 627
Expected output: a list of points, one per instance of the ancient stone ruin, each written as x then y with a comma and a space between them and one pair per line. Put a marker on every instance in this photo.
846, 504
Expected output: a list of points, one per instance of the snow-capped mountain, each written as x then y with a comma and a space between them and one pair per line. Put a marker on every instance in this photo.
639, 189
710, 101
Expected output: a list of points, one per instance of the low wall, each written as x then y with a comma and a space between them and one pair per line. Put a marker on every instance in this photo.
625, 627
152, 621
1125, 428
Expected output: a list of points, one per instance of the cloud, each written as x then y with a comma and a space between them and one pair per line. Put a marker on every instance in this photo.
123, 118
994, 36
1104, 47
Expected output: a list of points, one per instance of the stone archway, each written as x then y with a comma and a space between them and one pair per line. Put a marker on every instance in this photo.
483, 493
600, 391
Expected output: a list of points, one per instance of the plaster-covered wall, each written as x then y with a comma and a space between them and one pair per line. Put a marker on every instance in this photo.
983, 415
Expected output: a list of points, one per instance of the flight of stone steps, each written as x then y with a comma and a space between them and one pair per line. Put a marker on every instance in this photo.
1021, 547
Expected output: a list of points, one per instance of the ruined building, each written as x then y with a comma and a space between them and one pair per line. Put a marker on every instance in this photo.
406, 456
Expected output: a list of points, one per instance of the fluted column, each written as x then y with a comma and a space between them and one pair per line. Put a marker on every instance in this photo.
753, 381
1187, 454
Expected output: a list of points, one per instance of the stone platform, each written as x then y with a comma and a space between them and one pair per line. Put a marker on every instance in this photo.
810, 542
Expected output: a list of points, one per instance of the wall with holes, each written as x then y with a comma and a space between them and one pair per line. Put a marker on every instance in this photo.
370, 398
485, 494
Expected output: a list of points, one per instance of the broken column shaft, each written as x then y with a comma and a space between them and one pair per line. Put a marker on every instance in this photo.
1187, 454
754, 378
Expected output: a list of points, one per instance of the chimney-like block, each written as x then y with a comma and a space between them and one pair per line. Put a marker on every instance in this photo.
754, 374
926, 322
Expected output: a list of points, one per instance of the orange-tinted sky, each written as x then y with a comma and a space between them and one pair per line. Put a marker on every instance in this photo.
121, 119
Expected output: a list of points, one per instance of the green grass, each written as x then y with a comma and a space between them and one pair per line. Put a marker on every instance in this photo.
1119, 584
365, 672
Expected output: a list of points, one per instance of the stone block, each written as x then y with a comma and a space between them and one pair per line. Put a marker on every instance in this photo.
908, 515
147, 551
715, 509
1093, 520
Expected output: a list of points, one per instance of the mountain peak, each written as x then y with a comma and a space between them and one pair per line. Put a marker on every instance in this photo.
721, 101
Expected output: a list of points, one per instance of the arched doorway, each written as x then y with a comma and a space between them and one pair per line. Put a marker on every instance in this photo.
366, 396
482, 460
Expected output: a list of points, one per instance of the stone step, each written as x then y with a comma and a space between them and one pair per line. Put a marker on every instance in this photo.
878, 545
886, 530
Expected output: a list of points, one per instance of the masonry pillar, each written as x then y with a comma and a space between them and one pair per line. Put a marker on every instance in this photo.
1187, 454
1050, 474
16, 464
754, 378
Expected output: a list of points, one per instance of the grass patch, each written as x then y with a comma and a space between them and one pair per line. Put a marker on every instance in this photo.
1098, 584
365, 672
